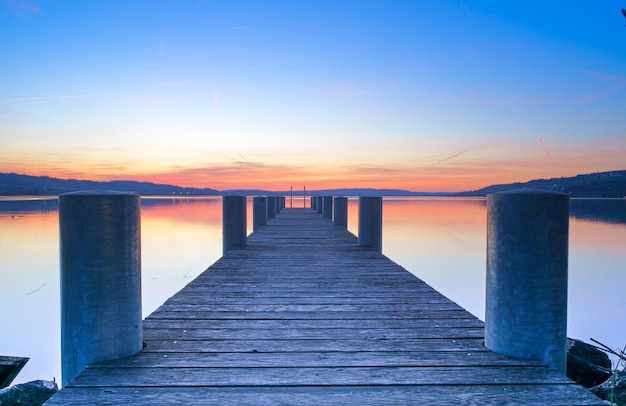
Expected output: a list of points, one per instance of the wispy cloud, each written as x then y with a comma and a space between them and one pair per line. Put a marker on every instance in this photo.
545, 148
466, 9
72, 96
619, 83
240, 27
343, 90
162, 45
23, 6
470, 97
463, 151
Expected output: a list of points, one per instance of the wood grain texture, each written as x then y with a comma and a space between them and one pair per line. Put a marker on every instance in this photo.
302, 315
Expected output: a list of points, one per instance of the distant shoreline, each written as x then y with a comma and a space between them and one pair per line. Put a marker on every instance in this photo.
595, 185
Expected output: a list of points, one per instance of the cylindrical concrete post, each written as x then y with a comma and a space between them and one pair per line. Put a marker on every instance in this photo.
527, 248
341, 211
271, 207
328, 207
259, 212
100, 253
320, 204
234, 226
371, 222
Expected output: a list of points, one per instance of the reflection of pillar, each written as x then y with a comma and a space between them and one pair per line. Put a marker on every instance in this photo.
526, 303
100, 256
259, 212
234, 225
328, 207
341, 211
371, 222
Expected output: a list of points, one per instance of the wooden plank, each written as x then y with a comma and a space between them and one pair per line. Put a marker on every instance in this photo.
298, 376
476, 358
314, 345
453, 395
317, 324
313, 333
188, 312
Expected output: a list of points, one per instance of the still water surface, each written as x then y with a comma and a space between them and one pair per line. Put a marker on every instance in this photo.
440, 240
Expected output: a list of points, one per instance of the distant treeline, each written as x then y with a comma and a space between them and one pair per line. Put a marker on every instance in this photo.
12, 184
602, 184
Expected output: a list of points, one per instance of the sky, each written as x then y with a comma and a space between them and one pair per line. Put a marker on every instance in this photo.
429, 95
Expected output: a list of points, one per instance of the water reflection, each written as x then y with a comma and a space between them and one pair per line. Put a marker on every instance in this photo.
440, 240
601, 210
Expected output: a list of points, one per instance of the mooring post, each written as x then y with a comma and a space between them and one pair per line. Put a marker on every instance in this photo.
341, 211
328, 207
271, 207
527, 249
259, 212
371, 222
320, 204
100, 264
234, 226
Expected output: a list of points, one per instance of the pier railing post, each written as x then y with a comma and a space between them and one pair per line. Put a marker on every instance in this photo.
259, 212
341, 211
271, 207
328, 207
371, 222
100, 261
234, 227
527, 249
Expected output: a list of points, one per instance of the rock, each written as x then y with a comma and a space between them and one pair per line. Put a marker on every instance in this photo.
586, 364
32, 393
615, 387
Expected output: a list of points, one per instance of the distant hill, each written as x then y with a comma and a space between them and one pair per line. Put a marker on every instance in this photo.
12, 184
602, 184
342, 192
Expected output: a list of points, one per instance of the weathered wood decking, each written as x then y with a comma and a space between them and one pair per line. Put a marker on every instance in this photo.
304, 316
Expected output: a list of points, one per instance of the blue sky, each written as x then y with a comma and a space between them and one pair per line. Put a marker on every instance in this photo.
423, 95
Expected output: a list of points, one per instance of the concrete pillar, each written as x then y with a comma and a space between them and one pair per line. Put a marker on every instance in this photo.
341, 211
527, 248
320, 204
100, 239
234, 226
371, 222
313, 202
328, 207
271, 207
259, 212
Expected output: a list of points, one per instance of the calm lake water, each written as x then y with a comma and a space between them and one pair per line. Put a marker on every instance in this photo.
440, 240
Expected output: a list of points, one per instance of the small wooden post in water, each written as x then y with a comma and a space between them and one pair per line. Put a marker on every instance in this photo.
234, 227
527, 248
341, 211
328, 207
371, 222
259, 212
100, 254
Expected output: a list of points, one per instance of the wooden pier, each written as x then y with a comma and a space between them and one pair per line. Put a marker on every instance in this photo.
302, 315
